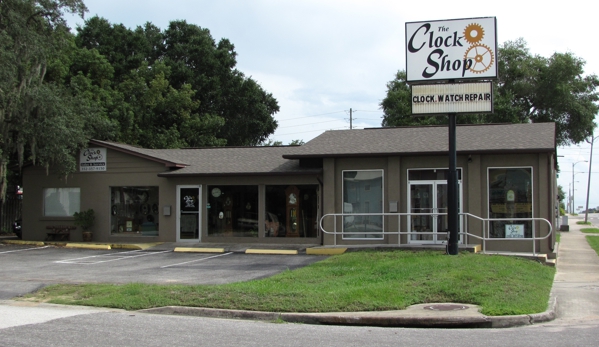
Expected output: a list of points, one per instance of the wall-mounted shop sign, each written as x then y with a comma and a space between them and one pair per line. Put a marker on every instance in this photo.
452, 98
454, 49
92, 159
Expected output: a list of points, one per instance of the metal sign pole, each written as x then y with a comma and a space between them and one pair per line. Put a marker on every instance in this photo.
452, 189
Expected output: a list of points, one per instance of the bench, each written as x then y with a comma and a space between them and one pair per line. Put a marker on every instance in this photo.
59, 232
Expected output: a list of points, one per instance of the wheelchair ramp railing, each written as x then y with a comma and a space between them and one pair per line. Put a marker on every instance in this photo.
341, 221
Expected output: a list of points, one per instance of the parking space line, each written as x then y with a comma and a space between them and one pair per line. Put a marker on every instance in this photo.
193, 261
80, 262
26, 249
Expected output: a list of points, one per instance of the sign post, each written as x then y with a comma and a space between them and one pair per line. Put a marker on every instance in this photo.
439, 53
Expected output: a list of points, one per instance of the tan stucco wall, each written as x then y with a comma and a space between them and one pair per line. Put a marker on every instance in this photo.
122, 170
474, 191
128, 170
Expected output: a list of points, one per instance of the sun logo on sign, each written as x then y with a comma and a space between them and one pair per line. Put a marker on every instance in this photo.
480, 54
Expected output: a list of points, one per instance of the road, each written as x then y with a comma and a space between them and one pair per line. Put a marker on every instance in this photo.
135, 329
32, 324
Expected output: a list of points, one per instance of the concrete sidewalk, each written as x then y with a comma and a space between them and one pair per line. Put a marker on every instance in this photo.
576, 284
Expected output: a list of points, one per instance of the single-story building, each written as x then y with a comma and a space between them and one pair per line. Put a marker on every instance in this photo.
342, 187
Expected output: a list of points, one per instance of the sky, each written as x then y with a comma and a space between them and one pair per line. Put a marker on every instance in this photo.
322, 58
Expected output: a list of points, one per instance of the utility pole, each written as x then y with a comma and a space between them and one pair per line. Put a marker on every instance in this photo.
350, 119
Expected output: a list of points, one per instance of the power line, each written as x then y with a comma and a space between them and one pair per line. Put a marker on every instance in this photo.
310, 131
316, 115
293, 126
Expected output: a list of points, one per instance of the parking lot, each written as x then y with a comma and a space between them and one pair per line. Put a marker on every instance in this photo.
25, 268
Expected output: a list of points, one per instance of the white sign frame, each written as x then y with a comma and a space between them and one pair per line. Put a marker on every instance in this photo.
514, 231
430, 99
92, 159
456, 49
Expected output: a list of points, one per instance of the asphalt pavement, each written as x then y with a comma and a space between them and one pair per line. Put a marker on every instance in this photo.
573, 299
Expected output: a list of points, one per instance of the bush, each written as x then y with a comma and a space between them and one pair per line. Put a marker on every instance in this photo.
85, 219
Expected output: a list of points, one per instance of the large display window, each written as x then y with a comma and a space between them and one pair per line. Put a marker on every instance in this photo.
362, 195
233, 211
510, 196
61, 202
134, 211
291, 211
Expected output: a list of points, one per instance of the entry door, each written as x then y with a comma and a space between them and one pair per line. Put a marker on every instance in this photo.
188, 213
429, 197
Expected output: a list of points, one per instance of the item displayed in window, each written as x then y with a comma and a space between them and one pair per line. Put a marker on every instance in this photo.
134, 210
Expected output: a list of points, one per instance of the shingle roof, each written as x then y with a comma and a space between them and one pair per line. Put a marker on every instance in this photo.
489, 138
233, 161
220, 161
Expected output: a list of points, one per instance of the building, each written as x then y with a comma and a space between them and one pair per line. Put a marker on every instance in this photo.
280, 194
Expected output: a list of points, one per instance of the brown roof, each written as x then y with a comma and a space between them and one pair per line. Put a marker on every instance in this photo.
230, 161
428, 140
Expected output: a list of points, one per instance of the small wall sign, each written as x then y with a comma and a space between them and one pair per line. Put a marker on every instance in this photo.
92, 159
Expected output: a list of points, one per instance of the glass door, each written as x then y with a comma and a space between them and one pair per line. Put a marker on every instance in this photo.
429, 197
188, 213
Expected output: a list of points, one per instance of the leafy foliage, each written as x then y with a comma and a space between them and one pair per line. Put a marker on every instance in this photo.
530, 88
39, 117
177, 87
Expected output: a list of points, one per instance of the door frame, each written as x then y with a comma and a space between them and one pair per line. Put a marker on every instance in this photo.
199, 213
434, 232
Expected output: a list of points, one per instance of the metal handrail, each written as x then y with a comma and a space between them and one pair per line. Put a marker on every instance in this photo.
485, 221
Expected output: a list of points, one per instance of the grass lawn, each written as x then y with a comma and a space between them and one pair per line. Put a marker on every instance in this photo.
581, 222
594, 242
355, 281
590, 230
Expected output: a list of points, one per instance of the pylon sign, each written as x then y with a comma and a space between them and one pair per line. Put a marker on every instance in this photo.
456, 49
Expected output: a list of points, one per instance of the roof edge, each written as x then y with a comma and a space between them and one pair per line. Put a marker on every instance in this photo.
116, 147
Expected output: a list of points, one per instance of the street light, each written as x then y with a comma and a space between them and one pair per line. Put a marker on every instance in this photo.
586, 212
582, 161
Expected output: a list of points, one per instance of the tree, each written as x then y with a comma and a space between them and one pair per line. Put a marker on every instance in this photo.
223, 102
40, 118
530, 88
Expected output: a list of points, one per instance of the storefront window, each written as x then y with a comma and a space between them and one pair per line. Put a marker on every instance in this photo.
510, 196
291, 211
61, 202
233, 211
363, 193
134, 211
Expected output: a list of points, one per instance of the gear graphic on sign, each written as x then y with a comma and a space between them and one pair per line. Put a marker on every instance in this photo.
474, 33
481, 56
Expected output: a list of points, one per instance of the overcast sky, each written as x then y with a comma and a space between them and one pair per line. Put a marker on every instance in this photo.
319, 58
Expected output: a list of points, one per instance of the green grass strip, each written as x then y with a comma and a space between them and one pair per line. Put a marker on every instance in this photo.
356, 281
594, 243
590, 230
581, 222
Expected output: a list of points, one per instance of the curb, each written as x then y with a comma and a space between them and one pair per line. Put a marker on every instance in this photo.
382, 319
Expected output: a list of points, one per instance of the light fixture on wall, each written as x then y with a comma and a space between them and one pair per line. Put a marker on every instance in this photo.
469, 159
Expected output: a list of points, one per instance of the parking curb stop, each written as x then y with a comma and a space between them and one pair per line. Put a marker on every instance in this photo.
198, 250
87, 246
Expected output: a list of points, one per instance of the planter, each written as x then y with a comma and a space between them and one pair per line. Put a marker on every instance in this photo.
87, 236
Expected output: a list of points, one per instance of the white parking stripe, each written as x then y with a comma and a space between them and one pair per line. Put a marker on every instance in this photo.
80, 261
193, 261
26, 249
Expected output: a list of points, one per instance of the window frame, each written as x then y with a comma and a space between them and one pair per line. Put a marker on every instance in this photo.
382, 236
532, 199
58, 189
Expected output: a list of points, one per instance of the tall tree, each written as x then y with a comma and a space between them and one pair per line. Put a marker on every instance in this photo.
530, 88
40, 118
232, 107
